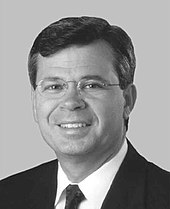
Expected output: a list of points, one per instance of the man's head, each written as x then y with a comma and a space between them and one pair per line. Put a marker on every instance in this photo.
74, 48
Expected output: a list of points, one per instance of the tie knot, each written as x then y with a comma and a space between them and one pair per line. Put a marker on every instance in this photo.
73, 197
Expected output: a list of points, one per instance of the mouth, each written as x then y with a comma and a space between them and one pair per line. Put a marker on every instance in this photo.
73, 125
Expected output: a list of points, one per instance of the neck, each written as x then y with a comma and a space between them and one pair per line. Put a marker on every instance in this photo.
77, 168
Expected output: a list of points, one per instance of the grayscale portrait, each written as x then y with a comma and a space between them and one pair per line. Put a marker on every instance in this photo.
81, 72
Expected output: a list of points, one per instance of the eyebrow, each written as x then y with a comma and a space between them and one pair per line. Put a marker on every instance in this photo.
95, 77
52, 78
86, 77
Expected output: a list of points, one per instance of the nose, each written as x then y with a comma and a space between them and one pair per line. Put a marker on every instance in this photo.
72, 101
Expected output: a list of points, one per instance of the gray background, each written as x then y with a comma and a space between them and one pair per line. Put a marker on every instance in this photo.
146, 21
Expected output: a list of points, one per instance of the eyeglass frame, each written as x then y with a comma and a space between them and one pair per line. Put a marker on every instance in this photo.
66, 86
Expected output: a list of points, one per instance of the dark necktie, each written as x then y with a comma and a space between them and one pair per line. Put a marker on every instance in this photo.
73, 197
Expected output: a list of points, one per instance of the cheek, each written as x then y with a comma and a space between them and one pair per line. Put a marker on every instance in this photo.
44, 109
110, 110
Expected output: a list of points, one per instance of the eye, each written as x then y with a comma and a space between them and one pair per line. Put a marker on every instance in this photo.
93, 85
55, 87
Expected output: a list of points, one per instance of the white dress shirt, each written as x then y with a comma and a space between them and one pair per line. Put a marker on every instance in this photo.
95, 186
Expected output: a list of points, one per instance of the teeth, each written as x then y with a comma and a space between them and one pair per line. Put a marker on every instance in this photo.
73, 125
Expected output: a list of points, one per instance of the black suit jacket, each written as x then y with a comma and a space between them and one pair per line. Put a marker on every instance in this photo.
138, 184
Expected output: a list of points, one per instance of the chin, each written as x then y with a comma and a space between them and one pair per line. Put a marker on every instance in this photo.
73, 150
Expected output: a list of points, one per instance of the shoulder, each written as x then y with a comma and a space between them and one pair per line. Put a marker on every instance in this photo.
21, 184
157, 174
155, 180
156, 177
153, 172
29, 174
157, 185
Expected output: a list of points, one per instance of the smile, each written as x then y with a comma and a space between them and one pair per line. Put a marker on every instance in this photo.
73, 125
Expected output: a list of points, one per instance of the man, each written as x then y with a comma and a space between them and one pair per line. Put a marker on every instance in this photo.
81, 71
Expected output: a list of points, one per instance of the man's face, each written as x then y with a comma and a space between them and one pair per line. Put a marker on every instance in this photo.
75, 124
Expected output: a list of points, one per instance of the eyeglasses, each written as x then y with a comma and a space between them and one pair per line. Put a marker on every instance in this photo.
57, 88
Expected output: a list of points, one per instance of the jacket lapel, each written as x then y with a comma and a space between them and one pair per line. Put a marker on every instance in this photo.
127, 189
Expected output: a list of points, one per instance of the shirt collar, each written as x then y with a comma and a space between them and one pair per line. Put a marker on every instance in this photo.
97, 184
62, 182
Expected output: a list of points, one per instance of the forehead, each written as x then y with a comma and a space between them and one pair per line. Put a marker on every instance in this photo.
75, 62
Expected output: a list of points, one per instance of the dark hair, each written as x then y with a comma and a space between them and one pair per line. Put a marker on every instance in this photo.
82, 31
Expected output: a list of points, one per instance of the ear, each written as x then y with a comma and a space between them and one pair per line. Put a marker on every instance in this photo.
34, 106
130, 95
